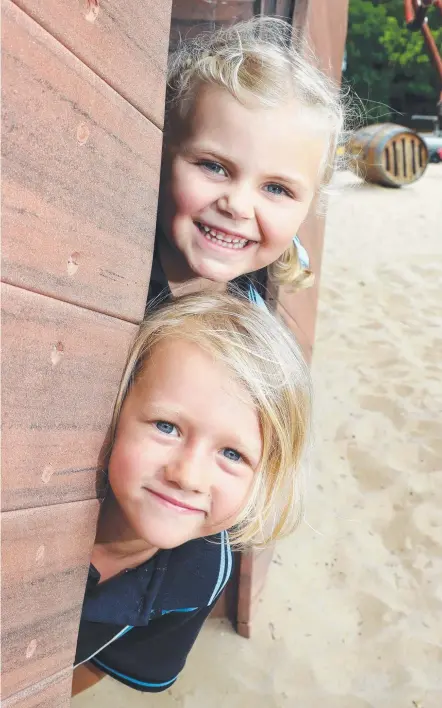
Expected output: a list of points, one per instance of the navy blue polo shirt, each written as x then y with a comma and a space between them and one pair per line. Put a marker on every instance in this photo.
140, 625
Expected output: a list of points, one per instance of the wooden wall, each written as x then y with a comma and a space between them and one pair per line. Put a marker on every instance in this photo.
82, 109
82, 105
325, 24
190, 16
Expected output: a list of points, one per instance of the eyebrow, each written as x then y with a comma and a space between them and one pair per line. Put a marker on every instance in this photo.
296, 182
207, 150
293, 180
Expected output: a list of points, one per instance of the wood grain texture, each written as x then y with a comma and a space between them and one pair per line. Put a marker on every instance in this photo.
123, 43
80, 173
61, 369
49, 693
299, 309
325, 25
45, 558
229, 11
253, 570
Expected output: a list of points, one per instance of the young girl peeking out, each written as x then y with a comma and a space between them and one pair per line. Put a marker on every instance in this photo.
250, 138
207, 438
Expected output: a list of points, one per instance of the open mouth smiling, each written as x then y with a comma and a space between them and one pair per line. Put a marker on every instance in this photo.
222, 238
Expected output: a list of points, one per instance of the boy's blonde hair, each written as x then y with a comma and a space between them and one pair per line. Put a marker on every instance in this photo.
262, 355
263, 60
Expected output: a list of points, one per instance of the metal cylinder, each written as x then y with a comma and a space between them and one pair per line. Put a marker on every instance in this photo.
387, 154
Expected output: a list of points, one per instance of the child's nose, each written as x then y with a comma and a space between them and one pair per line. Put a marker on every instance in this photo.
238, 202
189, 470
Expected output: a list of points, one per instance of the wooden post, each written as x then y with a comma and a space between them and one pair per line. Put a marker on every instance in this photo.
325, 24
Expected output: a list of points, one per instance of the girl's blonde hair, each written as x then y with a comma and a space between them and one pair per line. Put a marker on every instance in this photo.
262, 355
260, 59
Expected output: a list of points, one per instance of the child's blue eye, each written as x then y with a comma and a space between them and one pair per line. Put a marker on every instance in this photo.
164, 427
231, 454
214, 167
277, 190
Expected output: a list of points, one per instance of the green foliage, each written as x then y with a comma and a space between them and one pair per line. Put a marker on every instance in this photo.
387, 65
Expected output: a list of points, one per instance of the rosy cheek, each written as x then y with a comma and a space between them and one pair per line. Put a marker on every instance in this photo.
192, 191
184, 185
278, 231
124, 465
229, 500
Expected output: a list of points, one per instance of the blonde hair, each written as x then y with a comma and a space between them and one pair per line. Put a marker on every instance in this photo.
261, 59
262, 355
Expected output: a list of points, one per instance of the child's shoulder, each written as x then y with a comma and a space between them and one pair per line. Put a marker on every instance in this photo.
197, 573
188, 577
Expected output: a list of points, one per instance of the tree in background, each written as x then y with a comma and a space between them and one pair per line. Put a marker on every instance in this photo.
387, 65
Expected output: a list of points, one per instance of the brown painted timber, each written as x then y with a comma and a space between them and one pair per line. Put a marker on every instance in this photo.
44, 569
61, 370
325, 27
49, 693
125, 43
81, 169
80, 174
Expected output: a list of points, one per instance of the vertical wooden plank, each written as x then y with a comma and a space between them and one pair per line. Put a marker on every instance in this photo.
325, 25
299, 310
253, 569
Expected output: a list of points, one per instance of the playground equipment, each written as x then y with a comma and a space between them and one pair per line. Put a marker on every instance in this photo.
417, 21
387, 154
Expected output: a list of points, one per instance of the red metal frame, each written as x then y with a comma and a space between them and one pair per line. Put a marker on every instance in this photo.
416, 19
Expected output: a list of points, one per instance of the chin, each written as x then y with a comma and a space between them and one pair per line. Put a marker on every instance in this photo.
216, 272
165, 540
165, 543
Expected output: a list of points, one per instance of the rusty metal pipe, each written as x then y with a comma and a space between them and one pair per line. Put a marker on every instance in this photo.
415, 12
432, 49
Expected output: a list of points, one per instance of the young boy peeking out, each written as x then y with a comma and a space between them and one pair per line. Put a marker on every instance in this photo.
207, 438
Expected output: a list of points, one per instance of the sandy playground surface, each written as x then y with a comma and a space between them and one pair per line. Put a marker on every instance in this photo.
351, 616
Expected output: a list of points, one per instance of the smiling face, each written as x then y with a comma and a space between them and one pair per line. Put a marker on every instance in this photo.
187, 445
237, 182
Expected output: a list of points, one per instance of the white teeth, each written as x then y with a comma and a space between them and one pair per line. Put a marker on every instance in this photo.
221, 238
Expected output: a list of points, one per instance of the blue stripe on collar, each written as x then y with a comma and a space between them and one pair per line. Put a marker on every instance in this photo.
302, 253
221, 572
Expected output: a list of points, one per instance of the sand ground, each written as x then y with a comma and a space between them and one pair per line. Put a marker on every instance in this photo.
352, 612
